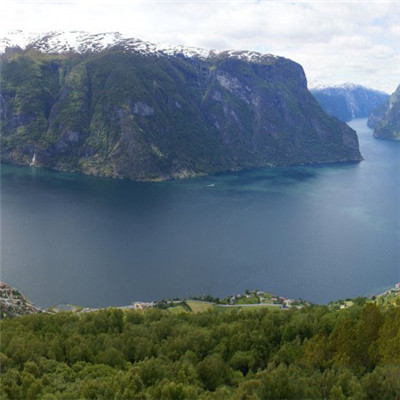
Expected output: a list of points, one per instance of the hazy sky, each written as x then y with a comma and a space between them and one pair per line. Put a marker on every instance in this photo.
335, 41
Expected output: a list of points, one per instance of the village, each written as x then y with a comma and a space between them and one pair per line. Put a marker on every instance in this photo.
389, 296
13, 303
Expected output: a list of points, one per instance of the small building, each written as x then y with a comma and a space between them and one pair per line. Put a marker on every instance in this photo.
138, 305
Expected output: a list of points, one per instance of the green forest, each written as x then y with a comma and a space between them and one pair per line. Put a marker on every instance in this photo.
317, 352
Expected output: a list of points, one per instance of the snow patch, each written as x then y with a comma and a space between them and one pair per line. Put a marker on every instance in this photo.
82, 42
346, 86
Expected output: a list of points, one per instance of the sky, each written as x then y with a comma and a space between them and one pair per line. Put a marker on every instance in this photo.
335, 41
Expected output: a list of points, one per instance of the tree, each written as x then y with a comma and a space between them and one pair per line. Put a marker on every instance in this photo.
212, 372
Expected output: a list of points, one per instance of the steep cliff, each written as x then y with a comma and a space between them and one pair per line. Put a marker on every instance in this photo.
348, 101
118, 107
385, 120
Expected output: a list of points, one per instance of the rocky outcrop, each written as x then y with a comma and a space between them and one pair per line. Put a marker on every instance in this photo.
130, 109
385, 120
13, 303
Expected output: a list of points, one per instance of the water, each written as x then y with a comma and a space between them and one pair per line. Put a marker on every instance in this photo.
319, 233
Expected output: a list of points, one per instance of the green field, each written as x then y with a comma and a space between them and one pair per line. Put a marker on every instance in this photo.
199, 306
177, 310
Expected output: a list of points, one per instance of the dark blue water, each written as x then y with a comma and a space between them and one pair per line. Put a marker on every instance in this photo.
319, 233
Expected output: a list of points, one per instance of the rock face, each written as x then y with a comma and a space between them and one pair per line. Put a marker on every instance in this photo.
105, 105
385, 120
349, 101
13, 303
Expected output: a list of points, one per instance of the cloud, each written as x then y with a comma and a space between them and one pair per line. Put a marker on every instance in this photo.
335, 41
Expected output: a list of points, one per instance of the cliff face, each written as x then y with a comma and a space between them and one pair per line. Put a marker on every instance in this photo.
349, 101
385, 120
153, 114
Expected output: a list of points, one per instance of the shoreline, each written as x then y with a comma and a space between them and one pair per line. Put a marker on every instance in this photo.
14, 303
187, 174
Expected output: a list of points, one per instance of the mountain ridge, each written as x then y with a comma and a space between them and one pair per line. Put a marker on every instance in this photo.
319, 85
348, 100
57, 42
155, 116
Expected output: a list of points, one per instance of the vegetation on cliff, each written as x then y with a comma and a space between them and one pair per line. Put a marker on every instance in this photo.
385, 120
157, 116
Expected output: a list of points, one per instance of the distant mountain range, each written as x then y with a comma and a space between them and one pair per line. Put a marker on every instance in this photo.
107, 105
385, 120
348, 101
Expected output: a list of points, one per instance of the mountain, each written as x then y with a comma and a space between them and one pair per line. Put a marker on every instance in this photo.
105, 105
348, 101
385, 120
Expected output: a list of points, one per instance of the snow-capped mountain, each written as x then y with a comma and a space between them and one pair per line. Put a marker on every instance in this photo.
107, 105
83, 42
348, 100
319, 85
